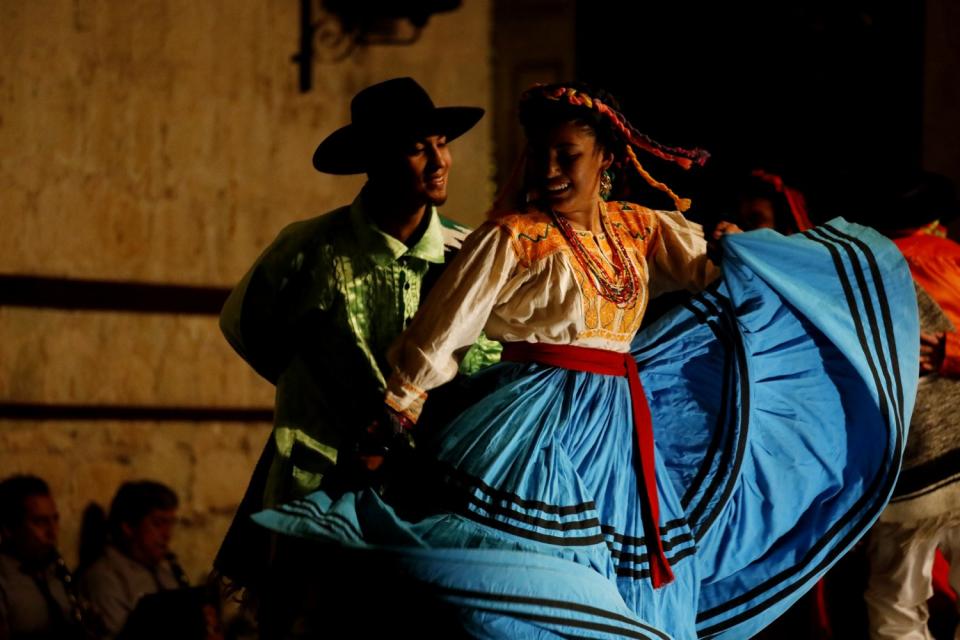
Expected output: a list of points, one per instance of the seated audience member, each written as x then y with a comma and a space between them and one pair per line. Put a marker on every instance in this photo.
184, 614
37, 598
135, 558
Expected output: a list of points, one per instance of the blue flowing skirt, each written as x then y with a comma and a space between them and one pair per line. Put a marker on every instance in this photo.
780, 400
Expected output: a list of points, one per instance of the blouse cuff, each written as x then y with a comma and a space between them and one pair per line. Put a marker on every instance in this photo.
405, 398
951, 356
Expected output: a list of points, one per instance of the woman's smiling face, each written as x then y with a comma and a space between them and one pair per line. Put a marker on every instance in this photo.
564, 164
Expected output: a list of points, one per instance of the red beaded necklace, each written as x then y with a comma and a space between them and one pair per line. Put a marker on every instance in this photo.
623, 288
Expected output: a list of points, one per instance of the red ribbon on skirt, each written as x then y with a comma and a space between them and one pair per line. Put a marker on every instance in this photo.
612, 363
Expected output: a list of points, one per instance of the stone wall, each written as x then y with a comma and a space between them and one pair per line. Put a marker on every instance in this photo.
154, 141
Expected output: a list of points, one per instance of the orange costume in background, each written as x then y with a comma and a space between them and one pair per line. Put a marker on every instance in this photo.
934, 263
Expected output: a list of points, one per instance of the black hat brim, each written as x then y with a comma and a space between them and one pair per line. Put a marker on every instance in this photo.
347, 150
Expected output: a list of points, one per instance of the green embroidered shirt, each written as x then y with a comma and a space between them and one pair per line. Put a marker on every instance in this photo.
316, 314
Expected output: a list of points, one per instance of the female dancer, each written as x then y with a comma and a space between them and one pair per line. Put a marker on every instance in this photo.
777, 397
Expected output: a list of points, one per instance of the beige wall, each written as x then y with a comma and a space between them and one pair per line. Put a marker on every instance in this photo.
167, 142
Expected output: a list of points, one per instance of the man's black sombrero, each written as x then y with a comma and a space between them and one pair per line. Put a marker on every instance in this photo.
393, 110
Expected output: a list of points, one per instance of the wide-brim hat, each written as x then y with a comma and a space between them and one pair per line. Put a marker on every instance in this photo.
391, 111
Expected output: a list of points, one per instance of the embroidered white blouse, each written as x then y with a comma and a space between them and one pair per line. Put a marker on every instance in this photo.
517, 279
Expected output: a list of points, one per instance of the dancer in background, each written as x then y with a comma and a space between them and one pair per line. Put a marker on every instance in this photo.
924, 515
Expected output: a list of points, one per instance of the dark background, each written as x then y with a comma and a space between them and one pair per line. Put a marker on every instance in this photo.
843, 99
827, 94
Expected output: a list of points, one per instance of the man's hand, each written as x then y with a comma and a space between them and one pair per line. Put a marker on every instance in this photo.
723, 228
932, 351
391, 431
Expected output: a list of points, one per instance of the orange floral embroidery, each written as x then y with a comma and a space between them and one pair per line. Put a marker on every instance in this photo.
535, 237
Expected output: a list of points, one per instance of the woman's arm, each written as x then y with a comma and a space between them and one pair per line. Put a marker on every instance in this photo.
428, 353
677, 255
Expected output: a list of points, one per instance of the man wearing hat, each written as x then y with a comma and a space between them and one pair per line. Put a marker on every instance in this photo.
924, 513
318, 310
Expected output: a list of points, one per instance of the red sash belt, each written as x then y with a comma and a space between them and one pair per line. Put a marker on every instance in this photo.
612, 363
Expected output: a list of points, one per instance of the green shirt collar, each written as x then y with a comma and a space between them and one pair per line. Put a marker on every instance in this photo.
384, 248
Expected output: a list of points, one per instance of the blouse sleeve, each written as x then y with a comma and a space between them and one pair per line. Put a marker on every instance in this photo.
428, 353
677, 255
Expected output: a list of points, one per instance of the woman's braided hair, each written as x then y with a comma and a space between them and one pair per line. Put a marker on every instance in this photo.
553, 103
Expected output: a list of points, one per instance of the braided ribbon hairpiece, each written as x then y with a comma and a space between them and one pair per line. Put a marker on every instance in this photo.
686, 158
